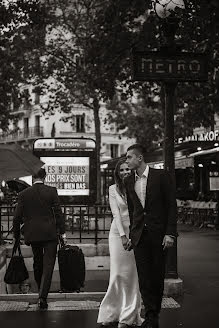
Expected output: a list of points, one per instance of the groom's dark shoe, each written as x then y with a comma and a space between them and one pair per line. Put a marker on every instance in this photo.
152, 322
152, 325
42, 304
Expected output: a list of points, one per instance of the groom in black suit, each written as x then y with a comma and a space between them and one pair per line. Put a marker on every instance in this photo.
152, 209
39, 209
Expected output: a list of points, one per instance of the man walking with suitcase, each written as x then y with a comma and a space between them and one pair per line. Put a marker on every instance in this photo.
39, 209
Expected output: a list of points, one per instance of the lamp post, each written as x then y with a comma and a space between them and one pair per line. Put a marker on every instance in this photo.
169, 12
169, 65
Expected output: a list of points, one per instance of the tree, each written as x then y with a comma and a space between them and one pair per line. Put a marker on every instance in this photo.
139, 116
21, 32
83, 54
196, 102
83, 58
200, 100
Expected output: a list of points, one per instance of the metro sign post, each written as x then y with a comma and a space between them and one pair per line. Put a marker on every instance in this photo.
169, 67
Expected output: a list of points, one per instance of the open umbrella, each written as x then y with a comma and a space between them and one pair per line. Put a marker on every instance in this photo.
17, 162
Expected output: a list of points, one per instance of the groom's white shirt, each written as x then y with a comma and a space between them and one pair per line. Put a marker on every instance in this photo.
141, 185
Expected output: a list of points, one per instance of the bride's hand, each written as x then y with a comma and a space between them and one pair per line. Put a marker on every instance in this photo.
124, 241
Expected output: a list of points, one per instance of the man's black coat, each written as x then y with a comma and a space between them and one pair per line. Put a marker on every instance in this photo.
159, 212
39, 209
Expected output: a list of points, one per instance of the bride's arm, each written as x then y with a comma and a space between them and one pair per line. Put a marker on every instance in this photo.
115, 210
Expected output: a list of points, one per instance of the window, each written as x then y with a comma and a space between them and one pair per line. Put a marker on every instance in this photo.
26, 127
26, 99
37, 92
37, 98
114, 148
37, 124
80, 123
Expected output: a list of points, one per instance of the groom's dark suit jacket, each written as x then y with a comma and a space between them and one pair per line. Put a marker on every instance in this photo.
159, 212
39, 209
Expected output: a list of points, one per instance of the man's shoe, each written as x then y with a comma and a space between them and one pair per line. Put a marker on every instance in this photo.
42, 304
152, 324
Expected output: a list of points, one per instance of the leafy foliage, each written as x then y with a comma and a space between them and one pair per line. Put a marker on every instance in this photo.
139, 116
201, 32
21, 33
196, 103
80, 52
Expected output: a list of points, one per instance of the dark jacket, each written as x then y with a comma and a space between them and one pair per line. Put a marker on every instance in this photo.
39, 209
159, 213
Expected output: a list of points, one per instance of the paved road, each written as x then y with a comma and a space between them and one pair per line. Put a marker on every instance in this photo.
198, 256
198, 252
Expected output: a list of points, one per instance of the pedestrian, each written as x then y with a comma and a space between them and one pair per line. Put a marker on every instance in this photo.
152, 210
39, 210
122, 301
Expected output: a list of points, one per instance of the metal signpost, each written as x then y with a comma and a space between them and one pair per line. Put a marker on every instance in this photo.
170, 67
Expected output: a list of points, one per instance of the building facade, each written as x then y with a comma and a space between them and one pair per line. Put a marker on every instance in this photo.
31, 123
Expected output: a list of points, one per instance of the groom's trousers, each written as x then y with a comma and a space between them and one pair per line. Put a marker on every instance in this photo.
150, 261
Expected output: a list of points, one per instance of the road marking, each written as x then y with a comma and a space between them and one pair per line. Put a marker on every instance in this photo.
167, 303
13, 306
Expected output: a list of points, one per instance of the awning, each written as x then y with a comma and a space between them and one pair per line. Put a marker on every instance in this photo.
184, 162
180, 163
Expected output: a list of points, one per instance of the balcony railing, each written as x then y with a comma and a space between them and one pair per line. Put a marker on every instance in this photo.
22, 134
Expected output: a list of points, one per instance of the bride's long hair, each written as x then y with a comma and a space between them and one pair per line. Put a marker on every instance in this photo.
119, 182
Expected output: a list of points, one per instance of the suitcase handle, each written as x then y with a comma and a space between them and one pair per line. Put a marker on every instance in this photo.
61, 242
62, 245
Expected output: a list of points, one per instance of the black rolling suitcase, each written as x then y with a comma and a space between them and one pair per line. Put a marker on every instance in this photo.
71, 268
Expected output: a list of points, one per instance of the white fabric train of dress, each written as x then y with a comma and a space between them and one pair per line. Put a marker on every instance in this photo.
122, 301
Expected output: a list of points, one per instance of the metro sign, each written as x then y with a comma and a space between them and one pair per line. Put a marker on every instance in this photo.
158, 66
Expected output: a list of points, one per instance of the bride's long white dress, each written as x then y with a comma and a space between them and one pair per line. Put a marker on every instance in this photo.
122, 301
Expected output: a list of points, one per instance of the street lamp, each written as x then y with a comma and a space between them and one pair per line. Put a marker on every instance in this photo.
169, 13
166, 8
168, 65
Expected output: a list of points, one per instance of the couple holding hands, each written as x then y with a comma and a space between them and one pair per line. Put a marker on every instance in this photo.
143, 205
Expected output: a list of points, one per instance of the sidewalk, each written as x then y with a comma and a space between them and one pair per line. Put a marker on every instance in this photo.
198, 251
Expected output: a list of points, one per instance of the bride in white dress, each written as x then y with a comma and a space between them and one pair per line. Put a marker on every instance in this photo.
122, 301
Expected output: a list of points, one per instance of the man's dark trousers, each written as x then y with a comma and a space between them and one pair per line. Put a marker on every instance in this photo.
44, 257
150, 262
